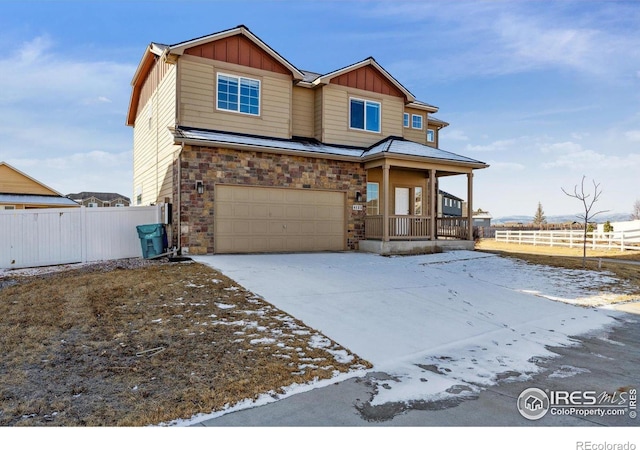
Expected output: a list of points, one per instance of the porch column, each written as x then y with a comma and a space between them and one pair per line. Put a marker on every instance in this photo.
470, 205
433, 198
385, 195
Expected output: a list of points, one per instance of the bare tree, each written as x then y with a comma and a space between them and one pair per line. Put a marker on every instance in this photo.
635, 214
587, 202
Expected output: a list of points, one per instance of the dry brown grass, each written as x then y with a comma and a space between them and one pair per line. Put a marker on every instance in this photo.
570, 258
133, 347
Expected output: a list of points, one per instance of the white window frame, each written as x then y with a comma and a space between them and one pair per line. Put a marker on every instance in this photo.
8, 207
405, 120
365, 101
413, 121
239, 79
92, 205
431, 135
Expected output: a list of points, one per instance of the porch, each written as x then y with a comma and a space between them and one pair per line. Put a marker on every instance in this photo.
412, 234
416, 228
403, 213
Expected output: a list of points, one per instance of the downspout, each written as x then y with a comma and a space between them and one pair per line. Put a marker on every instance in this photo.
179, 199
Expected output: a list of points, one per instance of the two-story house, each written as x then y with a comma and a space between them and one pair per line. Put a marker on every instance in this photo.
100, 199
256, 155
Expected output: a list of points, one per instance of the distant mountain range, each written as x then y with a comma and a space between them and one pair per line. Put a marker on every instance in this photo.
600, 218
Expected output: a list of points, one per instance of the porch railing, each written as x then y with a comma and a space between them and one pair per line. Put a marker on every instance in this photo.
453, 227
414, 227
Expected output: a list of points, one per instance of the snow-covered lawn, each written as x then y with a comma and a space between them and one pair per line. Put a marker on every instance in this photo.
441, 325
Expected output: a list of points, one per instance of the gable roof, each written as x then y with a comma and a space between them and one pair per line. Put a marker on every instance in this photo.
370, 61
179, 49
102, 196
44, 187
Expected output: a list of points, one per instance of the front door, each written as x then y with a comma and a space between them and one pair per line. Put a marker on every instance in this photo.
402, 209
402, 201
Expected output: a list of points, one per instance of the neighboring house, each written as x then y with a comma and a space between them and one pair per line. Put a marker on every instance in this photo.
449, 204
100, 199
20, 191
482, 218
256, 155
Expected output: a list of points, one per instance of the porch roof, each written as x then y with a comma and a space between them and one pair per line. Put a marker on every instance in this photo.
32, 199
391, 145
400, 146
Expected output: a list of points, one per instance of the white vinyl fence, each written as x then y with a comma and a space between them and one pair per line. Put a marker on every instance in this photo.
621, 240
43, 237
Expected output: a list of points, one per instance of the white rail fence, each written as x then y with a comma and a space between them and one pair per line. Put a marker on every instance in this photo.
621, 240
44, 237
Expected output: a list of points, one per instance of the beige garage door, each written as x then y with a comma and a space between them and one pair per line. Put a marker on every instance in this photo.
256, 219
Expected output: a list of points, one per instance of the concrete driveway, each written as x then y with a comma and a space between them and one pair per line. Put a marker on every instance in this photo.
439, 329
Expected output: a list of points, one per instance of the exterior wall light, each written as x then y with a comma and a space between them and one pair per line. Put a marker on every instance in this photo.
199, 187
358, 196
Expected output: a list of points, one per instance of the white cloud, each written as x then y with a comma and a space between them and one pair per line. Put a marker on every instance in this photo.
454, 135
496, 146
498, 38
506, 166
574, 156
633, 135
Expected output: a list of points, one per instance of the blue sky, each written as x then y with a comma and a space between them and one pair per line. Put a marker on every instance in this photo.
545, 92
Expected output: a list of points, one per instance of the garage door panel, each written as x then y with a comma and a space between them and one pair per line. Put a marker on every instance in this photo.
255, 219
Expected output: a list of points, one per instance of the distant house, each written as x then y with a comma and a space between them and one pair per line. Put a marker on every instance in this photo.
482, 218
100, 199
20, 191
449, 205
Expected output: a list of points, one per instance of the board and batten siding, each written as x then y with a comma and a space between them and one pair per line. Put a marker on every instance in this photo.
197, 94
335, 116
302, 117
154, 149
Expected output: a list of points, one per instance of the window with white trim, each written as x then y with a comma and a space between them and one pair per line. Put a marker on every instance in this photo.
8, 207
373, 202
416, 121
238, 94
430, 136
405, 120
364, 115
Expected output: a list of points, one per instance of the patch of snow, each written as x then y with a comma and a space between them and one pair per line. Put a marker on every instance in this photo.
225, 306
262, 341
566, 371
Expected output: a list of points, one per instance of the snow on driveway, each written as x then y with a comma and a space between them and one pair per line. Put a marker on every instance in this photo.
441, 325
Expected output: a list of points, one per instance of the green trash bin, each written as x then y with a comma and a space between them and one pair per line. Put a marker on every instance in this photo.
151, 239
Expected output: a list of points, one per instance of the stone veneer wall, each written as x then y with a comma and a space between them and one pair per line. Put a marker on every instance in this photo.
226, 166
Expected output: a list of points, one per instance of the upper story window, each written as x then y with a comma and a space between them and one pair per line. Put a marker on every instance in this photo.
430, 136
364, 115
416, 121
405, 120
239, 94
